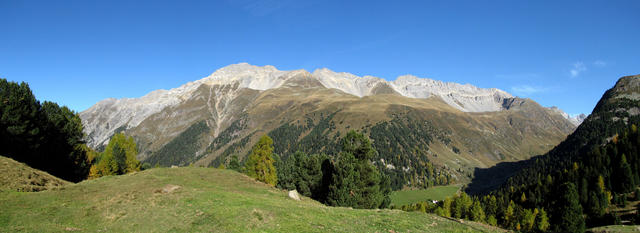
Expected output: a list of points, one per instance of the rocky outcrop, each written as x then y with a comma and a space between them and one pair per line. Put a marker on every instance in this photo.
115, 115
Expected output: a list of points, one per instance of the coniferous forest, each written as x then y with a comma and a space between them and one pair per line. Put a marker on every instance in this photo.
586, 181
347, 179
44, 135
581, 183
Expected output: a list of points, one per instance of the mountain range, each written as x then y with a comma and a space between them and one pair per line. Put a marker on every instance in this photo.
426, 131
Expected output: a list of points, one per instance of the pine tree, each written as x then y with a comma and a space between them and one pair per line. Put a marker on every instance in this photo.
509, 214
528, 219
626, 182
542, 221
260, 162
44, 136
461, 206
477, 213
343, 189
234, 164
356, 182
569, 212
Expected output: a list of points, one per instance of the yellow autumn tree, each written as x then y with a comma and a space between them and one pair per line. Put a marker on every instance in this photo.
259, 165
118, 158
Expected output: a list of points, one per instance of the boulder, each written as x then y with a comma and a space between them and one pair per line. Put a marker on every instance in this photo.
293, 194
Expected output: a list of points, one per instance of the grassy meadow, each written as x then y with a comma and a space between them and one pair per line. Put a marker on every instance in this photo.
404, 197
193, 199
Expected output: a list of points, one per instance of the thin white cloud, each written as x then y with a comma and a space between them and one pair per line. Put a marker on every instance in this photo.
600, 63
578, 68
526, 90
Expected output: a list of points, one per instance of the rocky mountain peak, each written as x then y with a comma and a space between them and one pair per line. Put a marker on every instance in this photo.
112, 115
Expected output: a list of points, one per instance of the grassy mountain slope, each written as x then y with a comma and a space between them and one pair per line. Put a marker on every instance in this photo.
313, 119
196, 200
218, 121
16, 176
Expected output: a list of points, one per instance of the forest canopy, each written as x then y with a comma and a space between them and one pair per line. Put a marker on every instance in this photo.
45, 135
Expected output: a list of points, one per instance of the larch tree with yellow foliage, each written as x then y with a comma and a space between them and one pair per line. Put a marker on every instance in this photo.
259, 165
118, 158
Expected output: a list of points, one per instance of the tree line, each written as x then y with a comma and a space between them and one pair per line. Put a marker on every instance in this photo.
346, 179
50, 137
44, 135
582, 194
580, 183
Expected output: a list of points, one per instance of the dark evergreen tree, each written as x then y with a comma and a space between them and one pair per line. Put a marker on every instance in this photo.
234, 164
568, 214
44, 136
356, 182
303, 173
342, 188
626, 182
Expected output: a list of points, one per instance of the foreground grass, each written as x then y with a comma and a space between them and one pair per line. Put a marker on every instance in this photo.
615, 228
404, 197
197, 199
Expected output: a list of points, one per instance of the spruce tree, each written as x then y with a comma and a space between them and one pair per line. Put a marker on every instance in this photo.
234, 164
355, 181
626, 182
542, 221
44, 136
568, 215
477, 213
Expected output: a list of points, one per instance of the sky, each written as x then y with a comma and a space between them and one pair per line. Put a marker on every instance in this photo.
558, 53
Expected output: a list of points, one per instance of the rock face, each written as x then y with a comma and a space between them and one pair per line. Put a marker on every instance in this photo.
114, 115
293, 194
411, 120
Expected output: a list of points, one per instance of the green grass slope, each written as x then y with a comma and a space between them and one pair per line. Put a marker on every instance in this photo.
17, 176
198, 200
615, 229
405, 197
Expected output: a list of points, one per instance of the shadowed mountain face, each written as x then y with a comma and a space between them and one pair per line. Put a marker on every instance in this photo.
426, 132
616, 111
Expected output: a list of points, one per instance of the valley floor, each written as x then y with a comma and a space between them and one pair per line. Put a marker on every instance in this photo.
197, 200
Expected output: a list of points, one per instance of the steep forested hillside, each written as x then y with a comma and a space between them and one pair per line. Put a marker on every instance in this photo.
594, 170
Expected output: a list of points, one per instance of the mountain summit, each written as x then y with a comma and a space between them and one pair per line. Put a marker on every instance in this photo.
420, 126
129, 112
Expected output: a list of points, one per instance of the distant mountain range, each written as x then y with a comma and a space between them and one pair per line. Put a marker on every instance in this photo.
426, 131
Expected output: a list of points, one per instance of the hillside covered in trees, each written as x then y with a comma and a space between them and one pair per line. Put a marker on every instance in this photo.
582, 182
597, 166
347, 178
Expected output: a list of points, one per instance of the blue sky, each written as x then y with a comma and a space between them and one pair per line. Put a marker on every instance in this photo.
559, 53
